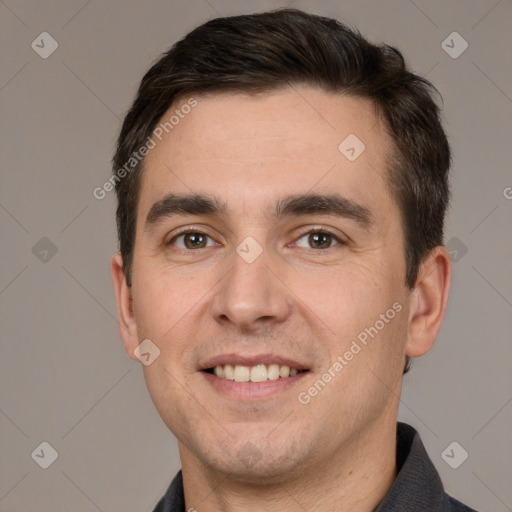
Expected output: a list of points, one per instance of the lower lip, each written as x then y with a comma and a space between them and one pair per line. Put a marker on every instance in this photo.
251, 390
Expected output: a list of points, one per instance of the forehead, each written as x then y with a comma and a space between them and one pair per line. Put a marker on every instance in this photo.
249, 150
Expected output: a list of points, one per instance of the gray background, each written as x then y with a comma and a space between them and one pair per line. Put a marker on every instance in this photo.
65, 378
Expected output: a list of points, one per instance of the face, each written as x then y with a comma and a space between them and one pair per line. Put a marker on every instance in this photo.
292, 257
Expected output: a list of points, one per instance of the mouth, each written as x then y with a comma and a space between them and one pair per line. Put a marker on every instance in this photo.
256, 373
252, 377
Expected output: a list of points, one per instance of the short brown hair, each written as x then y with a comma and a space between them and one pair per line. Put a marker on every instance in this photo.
258, 53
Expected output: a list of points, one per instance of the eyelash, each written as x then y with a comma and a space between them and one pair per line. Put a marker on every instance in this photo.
311, 231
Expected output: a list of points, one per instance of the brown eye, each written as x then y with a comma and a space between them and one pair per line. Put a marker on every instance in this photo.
318, 240
191, 240
194, 240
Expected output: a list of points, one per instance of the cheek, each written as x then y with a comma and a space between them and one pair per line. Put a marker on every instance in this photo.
168, 391
347, 300
162, 301
362, 313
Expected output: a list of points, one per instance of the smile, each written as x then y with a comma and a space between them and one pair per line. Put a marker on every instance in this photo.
256, 373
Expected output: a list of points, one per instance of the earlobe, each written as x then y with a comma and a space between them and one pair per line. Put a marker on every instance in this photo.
428, 302
127, 324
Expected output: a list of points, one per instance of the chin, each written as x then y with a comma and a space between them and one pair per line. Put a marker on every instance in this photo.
255, 461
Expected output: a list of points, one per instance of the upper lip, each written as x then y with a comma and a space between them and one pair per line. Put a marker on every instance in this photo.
251, 360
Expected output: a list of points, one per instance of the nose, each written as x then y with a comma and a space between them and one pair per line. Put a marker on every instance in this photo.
252, 295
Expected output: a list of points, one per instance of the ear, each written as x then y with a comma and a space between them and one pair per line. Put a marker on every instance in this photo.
428, 302
127, 324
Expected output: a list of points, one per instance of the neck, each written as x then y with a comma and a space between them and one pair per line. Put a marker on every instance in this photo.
355, 478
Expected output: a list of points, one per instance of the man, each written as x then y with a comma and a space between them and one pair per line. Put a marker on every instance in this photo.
282, 186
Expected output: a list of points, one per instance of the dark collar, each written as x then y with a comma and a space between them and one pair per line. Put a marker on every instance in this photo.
417, 486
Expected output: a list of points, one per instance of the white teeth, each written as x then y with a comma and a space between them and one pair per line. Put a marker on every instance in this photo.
229, 372
273, 371
242, 373
257, 373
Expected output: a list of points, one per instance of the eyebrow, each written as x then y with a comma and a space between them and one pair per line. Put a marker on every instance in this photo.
294, 205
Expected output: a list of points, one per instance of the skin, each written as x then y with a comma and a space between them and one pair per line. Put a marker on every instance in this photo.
296, 300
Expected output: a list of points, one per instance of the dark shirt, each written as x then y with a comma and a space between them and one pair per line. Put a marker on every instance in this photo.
417, 486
